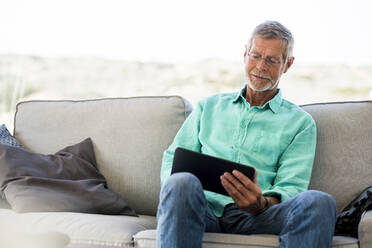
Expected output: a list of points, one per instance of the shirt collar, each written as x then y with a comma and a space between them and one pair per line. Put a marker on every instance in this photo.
240, 94
274, 103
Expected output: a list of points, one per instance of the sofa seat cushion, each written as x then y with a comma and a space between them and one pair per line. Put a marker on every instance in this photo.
18, 239
81, 228
147, 239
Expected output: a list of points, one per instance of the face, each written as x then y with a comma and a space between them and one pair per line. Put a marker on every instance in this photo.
264, 64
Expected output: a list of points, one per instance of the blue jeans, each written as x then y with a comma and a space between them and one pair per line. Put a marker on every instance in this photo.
305, 220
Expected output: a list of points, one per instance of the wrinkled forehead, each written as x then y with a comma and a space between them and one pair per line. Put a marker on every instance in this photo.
267, 47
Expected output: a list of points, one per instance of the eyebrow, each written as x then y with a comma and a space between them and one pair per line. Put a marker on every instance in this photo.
273, 57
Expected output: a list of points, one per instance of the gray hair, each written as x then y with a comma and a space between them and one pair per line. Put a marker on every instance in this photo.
275, 30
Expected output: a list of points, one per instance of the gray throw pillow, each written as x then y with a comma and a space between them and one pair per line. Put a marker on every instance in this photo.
6, 138
67, 181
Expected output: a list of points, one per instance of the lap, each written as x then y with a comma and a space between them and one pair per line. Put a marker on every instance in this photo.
237, 221
274, 218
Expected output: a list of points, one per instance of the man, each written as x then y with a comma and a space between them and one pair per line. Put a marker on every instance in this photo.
258, 128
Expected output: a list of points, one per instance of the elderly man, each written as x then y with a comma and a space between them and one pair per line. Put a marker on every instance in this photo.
257, 127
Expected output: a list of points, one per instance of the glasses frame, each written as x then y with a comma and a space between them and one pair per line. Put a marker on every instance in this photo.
269, 60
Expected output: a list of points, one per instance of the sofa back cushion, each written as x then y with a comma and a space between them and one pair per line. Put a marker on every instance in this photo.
129, 137
343, 160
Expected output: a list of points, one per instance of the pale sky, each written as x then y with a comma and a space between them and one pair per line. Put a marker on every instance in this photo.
325, 31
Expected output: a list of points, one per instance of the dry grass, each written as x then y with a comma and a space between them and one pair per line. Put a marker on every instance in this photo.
27, 77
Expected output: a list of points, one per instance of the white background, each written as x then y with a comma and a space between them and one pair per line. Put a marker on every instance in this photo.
325, 31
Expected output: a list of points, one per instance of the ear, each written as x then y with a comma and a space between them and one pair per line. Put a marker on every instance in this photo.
288, 64
245, 52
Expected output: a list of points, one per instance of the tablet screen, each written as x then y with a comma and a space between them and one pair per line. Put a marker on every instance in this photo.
207, 168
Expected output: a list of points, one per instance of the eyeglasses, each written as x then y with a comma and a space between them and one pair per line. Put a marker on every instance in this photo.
270, 61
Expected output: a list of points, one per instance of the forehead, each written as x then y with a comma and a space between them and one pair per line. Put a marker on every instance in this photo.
268, 47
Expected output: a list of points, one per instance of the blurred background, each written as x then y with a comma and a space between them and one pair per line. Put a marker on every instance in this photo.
81, 49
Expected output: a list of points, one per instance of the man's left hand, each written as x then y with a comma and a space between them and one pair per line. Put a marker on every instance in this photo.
246, 193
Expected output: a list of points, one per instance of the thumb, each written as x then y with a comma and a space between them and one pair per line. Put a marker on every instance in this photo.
255, 176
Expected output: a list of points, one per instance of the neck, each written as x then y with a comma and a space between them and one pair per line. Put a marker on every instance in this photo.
259, 98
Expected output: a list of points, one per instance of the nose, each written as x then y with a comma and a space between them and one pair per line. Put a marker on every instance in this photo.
261, 65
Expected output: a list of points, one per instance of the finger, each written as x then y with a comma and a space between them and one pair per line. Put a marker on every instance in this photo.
242, 178
230, 188
240, 199
245, 193
249, 185
255, 176
236, 182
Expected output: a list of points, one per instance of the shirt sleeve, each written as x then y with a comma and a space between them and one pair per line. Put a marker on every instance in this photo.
187, 137
295, 164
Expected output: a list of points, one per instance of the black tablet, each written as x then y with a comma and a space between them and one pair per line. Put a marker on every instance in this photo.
207, 168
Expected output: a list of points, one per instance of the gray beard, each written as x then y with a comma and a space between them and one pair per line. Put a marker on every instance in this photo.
267, 87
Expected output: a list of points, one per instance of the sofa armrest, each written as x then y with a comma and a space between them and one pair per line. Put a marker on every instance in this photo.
365, 230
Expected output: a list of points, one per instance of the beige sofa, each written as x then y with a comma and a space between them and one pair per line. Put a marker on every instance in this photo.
130, 135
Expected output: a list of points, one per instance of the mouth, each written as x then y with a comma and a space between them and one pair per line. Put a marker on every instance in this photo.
260, 77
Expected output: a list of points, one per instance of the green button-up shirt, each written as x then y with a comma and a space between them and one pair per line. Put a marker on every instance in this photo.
277, 139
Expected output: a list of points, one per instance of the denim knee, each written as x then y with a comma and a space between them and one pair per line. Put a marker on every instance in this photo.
182, 182
310, 220
320, 202
321, 199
